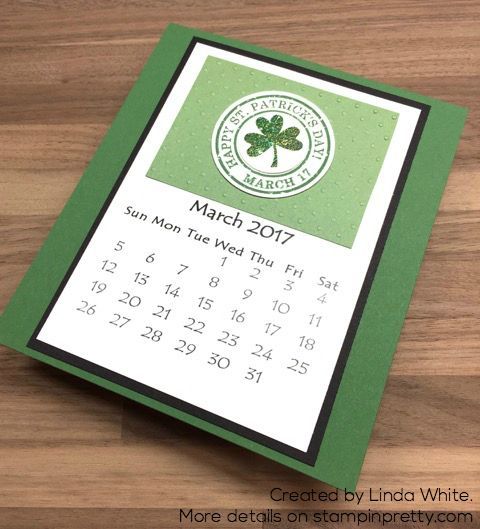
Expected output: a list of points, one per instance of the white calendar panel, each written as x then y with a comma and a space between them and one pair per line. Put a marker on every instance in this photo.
233, 323
228, 312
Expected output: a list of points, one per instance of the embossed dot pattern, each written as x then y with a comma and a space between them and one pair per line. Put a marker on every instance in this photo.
333, 208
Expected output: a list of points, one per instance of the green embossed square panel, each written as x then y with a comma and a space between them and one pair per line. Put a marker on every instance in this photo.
350, 138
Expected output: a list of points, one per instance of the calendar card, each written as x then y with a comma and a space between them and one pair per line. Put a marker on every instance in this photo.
241, 251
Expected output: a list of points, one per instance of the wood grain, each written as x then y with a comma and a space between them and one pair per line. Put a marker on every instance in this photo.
72, 455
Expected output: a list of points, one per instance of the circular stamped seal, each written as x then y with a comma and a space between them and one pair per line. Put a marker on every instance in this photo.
273, 144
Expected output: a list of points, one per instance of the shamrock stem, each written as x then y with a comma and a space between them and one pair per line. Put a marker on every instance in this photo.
275, 157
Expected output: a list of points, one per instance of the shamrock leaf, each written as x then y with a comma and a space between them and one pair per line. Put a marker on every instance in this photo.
270, 128
258, 144
288, 139
272, 137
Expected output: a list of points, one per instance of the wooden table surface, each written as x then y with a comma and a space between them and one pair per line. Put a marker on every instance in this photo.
73, 455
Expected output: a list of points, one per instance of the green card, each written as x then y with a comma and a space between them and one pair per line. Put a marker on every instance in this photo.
241, 251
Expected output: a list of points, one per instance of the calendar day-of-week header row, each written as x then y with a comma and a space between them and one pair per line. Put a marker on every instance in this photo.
253, 226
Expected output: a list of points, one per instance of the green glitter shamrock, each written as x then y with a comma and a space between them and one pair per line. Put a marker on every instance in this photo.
272, 137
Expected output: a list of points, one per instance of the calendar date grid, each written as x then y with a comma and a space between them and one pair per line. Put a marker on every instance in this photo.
136, 289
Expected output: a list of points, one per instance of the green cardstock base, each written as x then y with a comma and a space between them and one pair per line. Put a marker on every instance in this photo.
346, 437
